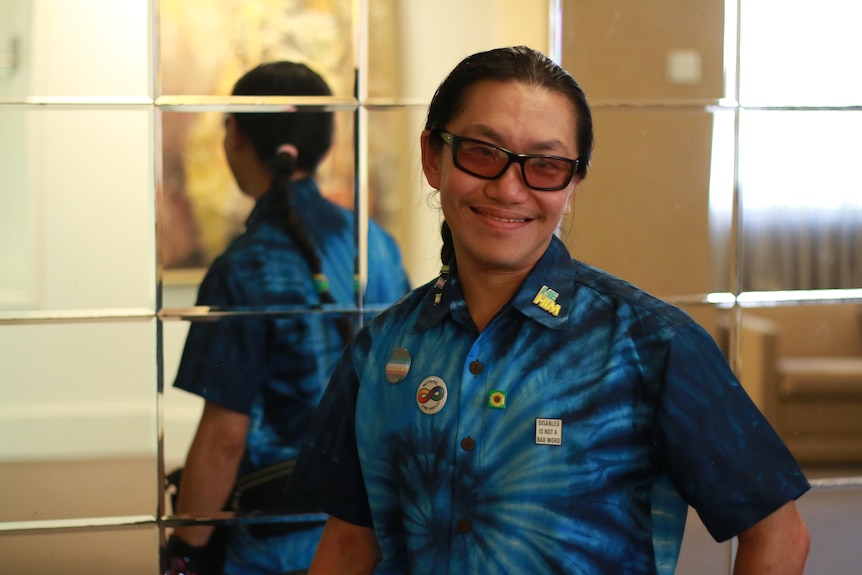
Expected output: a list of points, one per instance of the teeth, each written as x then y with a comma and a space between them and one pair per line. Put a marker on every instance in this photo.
508, 221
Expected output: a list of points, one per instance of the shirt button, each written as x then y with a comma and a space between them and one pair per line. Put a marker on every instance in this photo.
464, 526
468, 443
476, 367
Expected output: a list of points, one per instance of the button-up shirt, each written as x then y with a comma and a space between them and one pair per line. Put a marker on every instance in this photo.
551, 442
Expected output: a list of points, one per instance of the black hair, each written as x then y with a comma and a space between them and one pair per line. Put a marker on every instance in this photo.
309, 132
510, 64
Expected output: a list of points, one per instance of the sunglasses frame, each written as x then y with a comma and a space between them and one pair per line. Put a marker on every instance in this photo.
454, 141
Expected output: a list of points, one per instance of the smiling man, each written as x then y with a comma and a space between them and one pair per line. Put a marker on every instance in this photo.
525, 412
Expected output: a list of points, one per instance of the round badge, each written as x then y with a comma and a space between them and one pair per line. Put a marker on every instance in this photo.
431, 395
398, 365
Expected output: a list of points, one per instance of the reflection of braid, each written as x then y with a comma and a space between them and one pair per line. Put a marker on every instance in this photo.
295, 227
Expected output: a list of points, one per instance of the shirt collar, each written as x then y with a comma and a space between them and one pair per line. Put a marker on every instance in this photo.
547, 293
545, 296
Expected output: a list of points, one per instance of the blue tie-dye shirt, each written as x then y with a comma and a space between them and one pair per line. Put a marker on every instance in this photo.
542, 444
274, 367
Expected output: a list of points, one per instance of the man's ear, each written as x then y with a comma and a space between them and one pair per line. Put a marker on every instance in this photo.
432, 154
234, 137
570, 197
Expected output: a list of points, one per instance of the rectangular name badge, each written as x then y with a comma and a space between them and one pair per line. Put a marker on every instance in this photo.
549, 431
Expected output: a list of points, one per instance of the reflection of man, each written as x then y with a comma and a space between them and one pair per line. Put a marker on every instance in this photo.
262, 375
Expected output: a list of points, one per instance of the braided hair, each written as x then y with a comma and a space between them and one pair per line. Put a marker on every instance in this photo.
288, 142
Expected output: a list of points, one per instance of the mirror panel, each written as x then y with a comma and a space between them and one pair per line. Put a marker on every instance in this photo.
290, 377
770, 70
78, 399
434, 35
118, 550
657, 198
801, 205
802, 365
400, 199
82, 209
248, 33
19, 217
201, 208
181, 410
645, 51
83, 61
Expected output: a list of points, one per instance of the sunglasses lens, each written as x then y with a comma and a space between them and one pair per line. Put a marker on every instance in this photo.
548, 173
481, 159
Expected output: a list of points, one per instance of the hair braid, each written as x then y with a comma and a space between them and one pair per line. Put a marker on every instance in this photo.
285, 164
288, 142
447, 251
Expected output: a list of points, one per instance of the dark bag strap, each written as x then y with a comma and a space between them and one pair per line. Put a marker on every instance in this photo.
264, 491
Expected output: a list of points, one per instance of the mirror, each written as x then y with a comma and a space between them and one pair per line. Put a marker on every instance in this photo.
93, 309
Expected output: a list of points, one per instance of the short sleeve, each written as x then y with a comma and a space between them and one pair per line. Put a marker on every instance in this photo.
722, 455
223, 360
328, 474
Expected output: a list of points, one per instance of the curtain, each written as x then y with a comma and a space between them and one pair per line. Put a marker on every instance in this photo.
801, 199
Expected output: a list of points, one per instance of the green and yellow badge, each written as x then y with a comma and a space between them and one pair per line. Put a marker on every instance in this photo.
497, 399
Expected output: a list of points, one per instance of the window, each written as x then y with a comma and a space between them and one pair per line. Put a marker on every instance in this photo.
799, 126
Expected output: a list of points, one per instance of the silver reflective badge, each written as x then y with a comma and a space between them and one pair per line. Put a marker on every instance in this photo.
398, 365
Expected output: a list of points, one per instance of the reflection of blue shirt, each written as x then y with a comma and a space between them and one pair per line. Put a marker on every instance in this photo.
274, 367
535, 446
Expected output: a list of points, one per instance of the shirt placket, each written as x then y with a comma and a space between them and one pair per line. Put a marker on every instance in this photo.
468, 460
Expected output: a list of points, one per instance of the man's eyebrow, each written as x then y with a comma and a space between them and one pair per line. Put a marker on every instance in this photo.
493, 137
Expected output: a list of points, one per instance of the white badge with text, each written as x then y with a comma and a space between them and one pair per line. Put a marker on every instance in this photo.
549, 431
431, 395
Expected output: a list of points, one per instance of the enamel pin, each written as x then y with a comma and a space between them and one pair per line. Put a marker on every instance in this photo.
497, 399
547, 300
431, 395
398, 365
549, 431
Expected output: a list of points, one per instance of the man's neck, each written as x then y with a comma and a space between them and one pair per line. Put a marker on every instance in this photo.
487, 292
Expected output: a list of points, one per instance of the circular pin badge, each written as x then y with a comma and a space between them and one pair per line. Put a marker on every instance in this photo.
431, 395
398, 365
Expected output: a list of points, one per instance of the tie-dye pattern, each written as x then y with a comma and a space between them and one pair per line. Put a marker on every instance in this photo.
275, 367
648, 409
